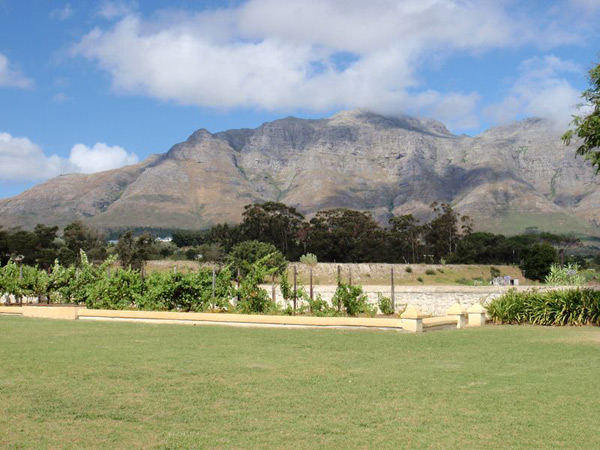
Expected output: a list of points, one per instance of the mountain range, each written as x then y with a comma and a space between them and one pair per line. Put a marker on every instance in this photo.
506, 179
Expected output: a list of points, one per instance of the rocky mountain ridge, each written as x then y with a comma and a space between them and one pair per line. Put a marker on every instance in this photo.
506, 178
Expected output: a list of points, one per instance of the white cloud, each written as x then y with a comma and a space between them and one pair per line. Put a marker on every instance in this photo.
23, 160
60, 97
9, 76
63, 13
100, 157
111, 10
310, 54
540, 90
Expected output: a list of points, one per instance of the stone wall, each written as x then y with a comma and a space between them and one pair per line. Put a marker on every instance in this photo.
432, 300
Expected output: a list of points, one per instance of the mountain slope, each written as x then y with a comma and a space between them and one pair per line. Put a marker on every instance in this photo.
506, 178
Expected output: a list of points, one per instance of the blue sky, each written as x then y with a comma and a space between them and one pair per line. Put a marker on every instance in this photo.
92, 85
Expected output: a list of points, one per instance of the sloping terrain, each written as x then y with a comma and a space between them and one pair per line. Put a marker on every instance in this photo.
506, 179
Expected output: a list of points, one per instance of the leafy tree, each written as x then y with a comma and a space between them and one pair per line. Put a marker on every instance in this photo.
274, 223
587, 128
225, 235
245, 254
345, 235
405, 235
537, 261
79, 236
442, 234
133, 252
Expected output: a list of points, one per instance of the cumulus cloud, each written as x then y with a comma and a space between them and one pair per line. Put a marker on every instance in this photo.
100, 157
310, 54
540, 90
111, 10
63, 13
11, 77
23, 160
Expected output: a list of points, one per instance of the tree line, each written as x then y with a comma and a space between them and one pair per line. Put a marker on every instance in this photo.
333, 235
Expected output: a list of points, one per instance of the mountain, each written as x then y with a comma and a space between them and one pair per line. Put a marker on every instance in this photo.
507, 178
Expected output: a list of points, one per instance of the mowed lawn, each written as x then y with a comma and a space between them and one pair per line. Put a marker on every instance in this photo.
83, 384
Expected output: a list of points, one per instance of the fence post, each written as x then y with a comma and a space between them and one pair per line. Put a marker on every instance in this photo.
339, 277
238, 284
393, 289
311, 283
175, 269
214, 282
349, 276
295, 274
273, 294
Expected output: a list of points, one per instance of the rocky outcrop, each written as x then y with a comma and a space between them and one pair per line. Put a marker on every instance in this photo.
507, 178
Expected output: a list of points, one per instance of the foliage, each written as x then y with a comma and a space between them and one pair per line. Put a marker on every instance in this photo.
408, 269
133, 252
254, 299
121, 290
310, 259
494, 272
564, 275
558, 307
587, 128
385, 304
352, 300
537, 260
273, 223
245, 254
430, 272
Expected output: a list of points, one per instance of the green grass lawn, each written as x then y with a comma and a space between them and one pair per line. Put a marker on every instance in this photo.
82, 384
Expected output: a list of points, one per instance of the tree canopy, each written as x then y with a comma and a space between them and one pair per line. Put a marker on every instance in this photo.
587, 127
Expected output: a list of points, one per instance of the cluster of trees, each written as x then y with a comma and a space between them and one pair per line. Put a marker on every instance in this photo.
42, 246
334, 235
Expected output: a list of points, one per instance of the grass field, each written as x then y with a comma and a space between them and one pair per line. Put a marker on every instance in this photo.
71, 384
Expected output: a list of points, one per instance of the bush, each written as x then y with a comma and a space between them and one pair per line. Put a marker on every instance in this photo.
537, 261
122, 290
254, 299
420, 279
430, 272
408, 269
564, 275
309, 259
247, 253
385, 304
494, 272
352, 300
560, 307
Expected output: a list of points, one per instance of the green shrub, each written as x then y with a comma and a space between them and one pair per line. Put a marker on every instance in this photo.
408, 269
560, 307
309, 259
247, 253
494, 272
122, 290
430, 272
385, 304
564, 275
352, 299
420, 279
254, 299
440, 270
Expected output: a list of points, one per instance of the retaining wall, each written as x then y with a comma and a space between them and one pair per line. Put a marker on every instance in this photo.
431, 300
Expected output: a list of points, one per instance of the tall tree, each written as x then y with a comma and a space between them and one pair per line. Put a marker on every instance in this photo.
587, 127
405, 234
79, 236
275, 223
345, 235
133, 252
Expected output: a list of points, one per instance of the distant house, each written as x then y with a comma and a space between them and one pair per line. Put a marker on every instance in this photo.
165, 239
